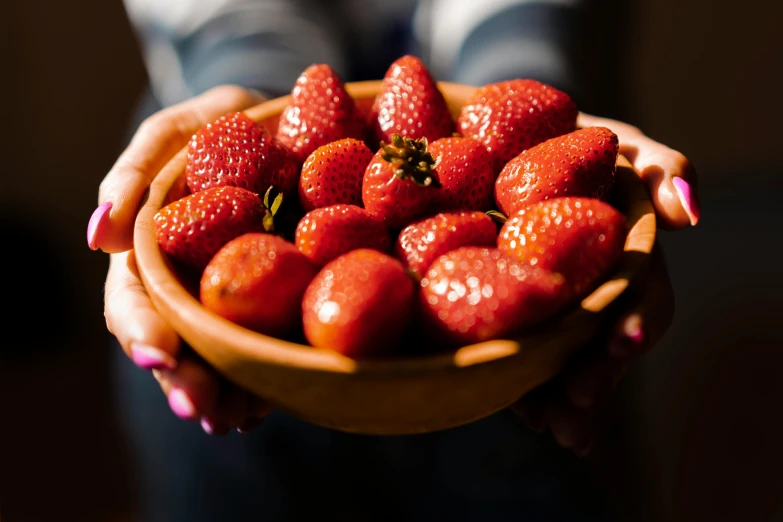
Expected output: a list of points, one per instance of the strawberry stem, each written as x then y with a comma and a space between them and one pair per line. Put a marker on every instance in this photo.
497, 216
276, 198
411, 159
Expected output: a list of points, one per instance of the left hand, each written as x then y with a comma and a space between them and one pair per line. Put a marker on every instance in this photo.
571, 404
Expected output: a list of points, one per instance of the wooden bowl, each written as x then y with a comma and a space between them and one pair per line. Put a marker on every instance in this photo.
398, 396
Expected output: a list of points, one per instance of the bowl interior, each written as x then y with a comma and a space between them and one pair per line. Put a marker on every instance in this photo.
179, 305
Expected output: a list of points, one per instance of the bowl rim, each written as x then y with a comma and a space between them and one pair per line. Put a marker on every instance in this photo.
184, 312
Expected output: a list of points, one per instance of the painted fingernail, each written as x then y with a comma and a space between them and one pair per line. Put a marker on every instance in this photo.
181, 405
629, 338
96, 220
249, 425
688, 199
151, 358
213, 427
584, 449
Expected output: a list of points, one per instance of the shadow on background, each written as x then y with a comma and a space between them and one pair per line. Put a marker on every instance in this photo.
697, 426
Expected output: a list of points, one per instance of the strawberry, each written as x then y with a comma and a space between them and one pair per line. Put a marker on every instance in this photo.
399, 185
511, 116
580, 163
320, 112
464, 169
326, 233
421, 243
192, 229
359, 304
257, 281
236, 151
333, 174
410, 104
581, 238
473, 294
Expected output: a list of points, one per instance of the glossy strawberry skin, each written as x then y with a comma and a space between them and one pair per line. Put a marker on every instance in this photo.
464, 169
474, 294
580, 238
410, 104
257, 280
511, 116
192, 229
578, 164
421, 243
329, 232
320, 112
397, 202
333, 174
238, 152
359, 305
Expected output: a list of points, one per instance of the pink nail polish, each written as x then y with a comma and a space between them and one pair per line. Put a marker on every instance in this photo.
96, 220
151, 358
629, 338
181, 405
689, 202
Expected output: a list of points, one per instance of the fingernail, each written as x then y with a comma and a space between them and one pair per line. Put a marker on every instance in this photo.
151, 358
584, 449
629, 338
249, 425
688, 199
96, 220
181, 405
213, 427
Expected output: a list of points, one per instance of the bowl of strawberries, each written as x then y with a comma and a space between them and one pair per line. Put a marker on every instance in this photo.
394, 256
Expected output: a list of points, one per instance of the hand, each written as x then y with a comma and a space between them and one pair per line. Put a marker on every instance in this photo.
193, 389
571, 404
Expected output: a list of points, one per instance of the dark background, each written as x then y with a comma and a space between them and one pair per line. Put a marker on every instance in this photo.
697, 432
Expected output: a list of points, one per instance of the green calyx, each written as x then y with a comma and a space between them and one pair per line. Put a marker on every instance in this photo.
273, 199
411, 160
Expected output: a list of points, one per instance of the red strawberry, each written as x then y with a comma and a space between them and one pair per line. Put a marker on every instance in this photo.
192, 229
511, 116
236, 151
320, 112
421, 243
581, 238
257, 281
333, 174
410, 104
326, 233
474, 294
580, 163
359, 304
464, 169
398, 185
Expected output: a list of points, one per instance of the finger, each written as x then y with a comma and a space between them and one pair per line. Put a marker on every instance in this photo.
531, 407
156, 141
230, 412
647, 320
130, 316
257, 410
669, 176
571, 427
193, 389
589, 384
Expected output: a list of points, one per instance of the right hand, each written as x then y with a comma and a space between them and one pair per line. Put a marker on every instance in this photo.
194, 390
